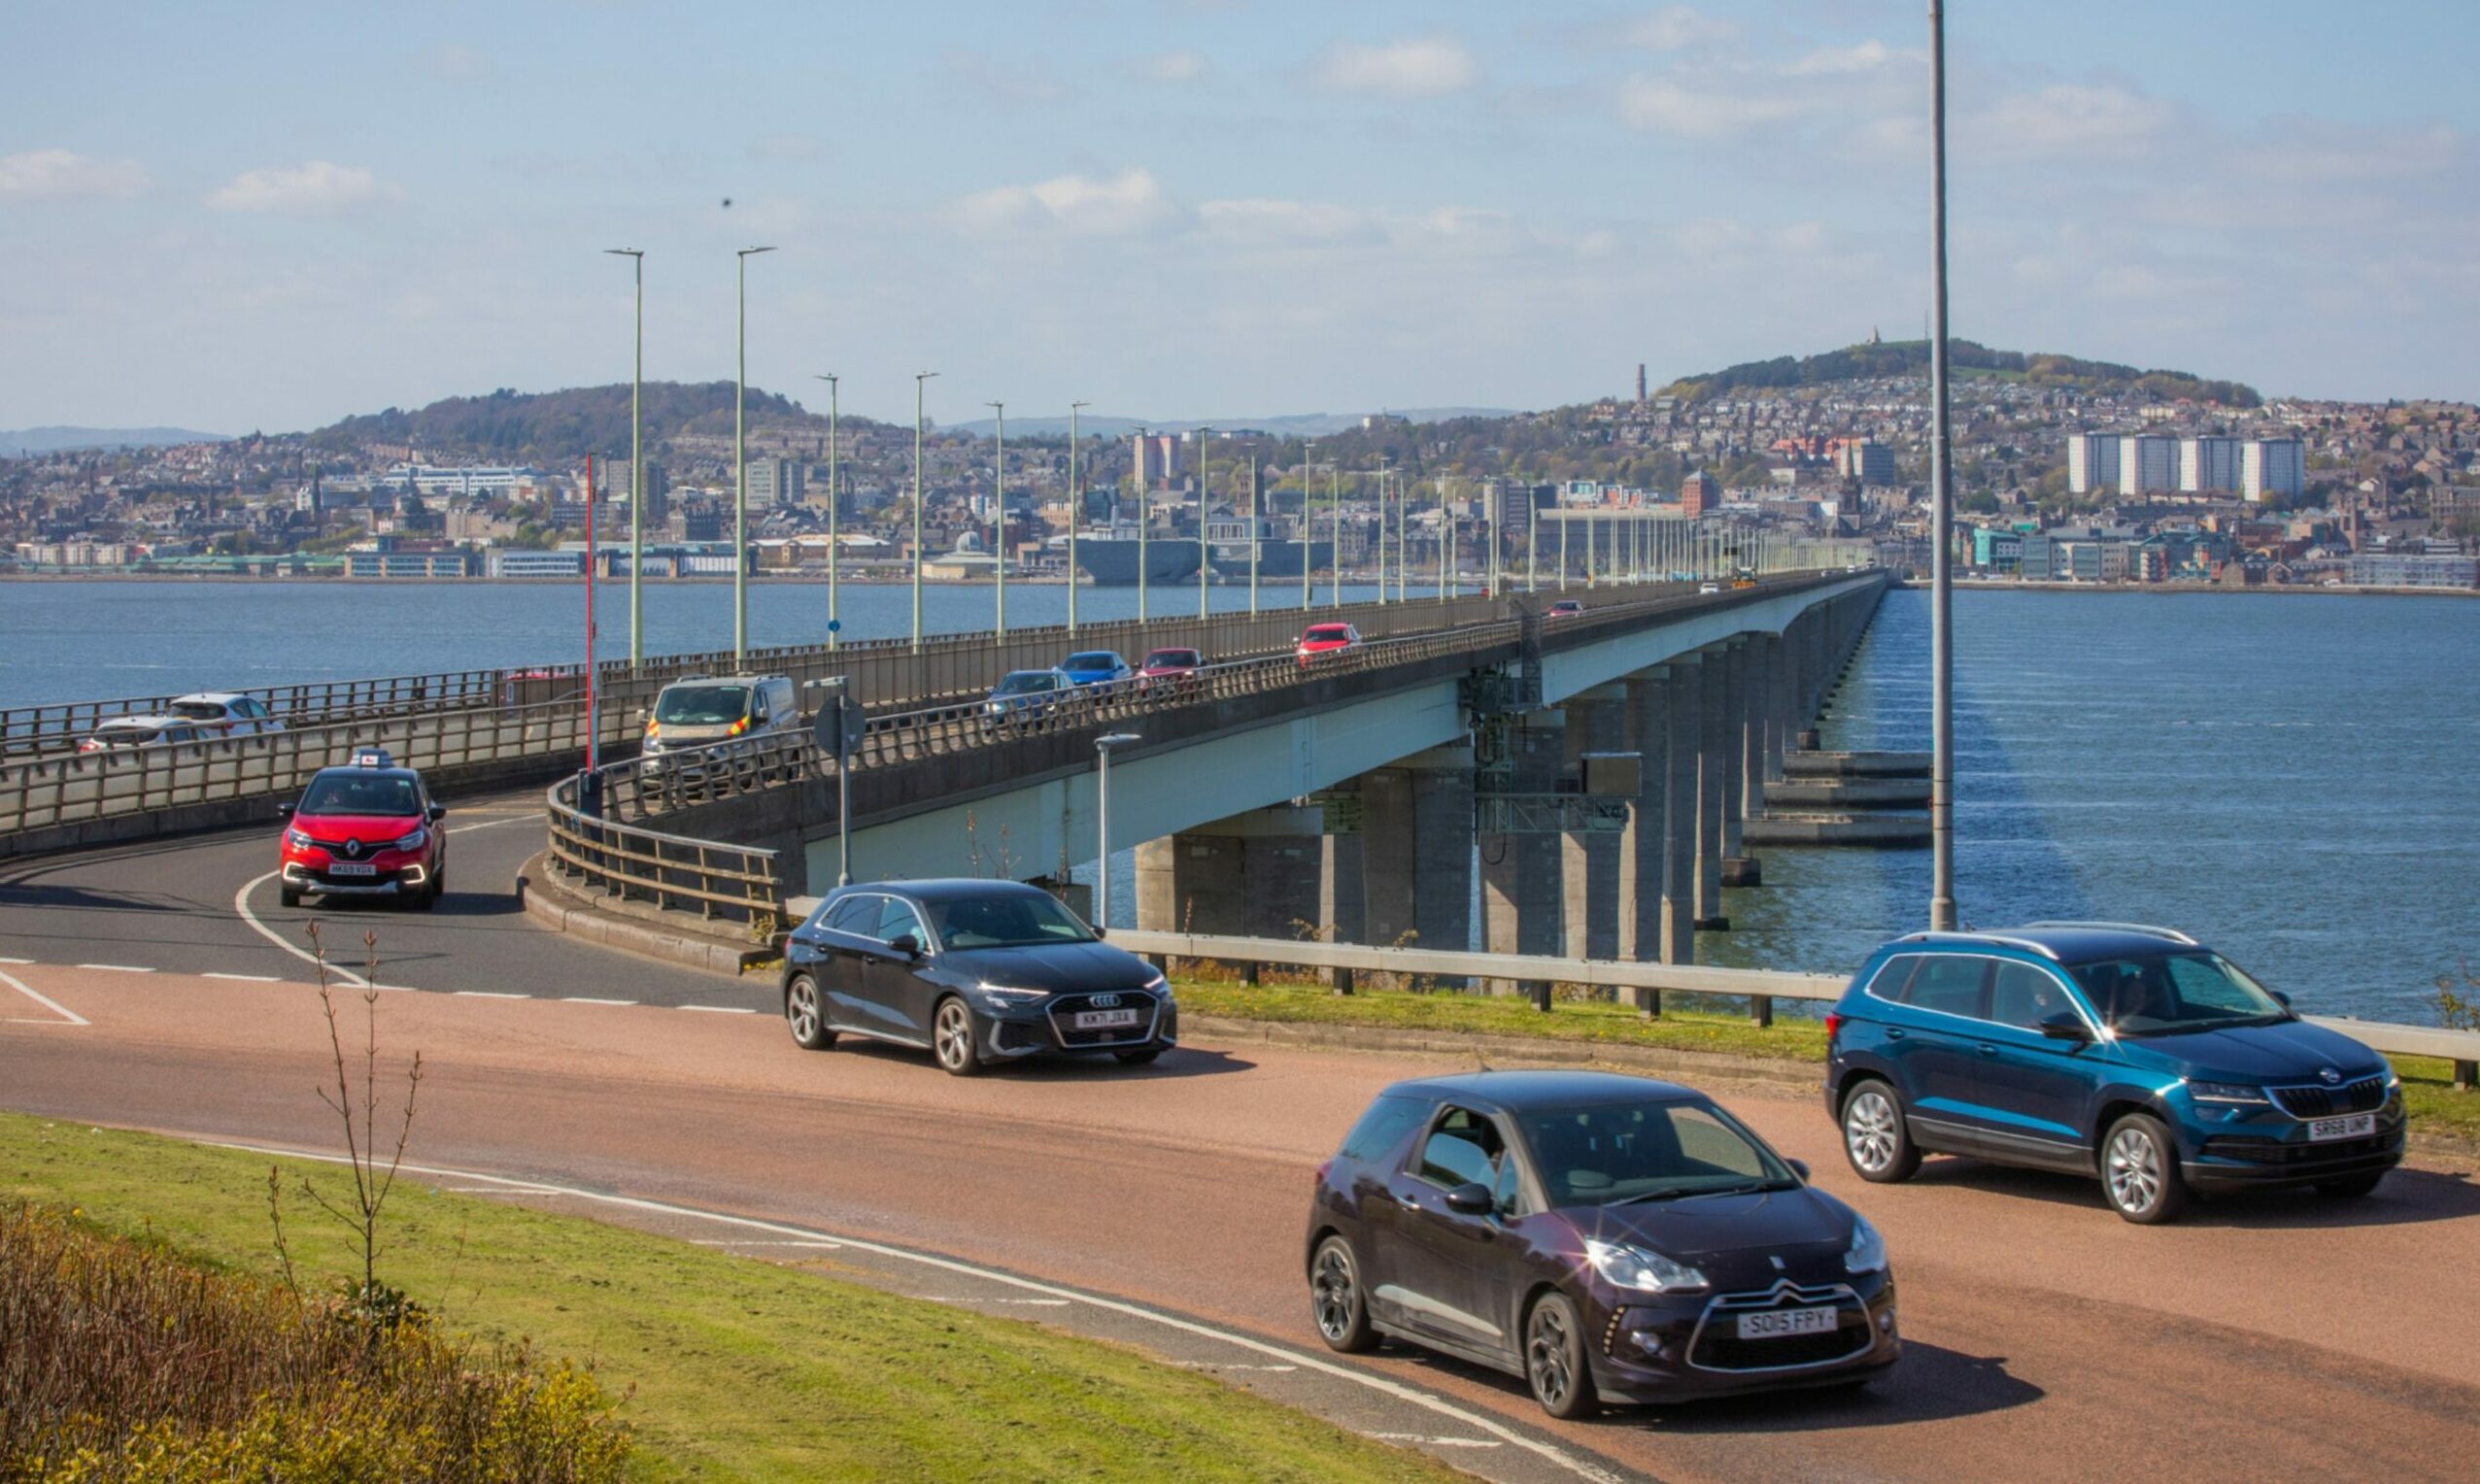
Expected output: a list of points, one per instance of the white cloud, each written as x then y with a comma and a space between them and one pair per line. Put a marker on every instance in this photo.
1677, 27
1169, 67
1128, 204
2069, 117
1668, 107
311, 189
1279, 222
57, 174
1867, 57
1422, 67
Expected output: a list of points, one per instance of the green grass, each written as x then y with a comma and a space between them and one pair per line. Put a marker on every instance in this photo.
731, 1368
2428, 1085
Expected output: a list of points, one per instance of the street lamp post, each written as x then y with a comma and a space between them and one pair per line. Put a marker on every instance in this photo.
1252, 535
999, 516
1382, 529
1205, 468
1076, 511
1942, 913
636, 461
740, 469
834, 510
920, 378
1335, 557
1102, 822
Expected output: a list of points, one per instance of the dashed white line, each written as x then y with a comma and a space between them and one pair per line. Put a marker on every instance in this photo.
67, 1016
15, 961
579, 999
244, 978
118, 968
721, 1009
490, 994
1582, 1467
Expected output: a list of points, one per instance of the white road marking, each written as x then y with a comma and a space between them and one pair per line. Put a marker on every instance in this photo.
1438, 1442
118, 969
743, 1241
15, 961
491, 995
579, 999
241, 904
244, 978
504, 1190
1230, 1366
515, 819
67, 1015
721, 1009
1582, 1468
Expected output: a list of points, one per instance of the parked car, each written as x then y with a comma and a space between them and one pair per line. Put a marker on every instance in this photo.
691, 719
127, 731
975, 973
1100, 669
1172, 669
1025, 699
1319, 640
366, 829
2135, 1054
1564, 608
1608, 1238
225, 713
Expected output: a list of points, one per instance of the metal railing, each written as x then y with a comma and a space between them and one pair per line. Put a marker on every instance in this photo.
629, 861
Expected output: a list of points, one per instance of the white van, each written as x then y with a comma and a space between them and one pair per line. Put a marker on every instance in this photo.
713, 713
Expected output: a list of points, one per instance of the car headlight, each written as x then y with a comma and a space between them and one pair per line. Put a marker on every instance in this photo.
1867, 1251
1157, 984
1637, 1268
1009, 994
2238, 1092
413, 839
298, 840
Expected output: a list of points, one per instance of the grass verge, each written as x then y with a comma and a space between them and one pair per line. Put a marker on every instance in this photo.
2428, 1084
733, 1368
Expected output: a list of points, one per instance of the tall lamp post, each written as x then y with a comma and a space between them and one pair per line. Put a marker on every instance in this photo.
1942, 916
1144, 522
1335, 557
1075, 510
834, 504
740, 469
999, 516
919, 379
636, 460
1102, 822
1205, 467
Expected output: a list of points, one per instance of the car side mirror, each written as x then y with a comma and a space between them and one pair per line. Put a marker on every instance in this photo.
284, 811
2065, 1026
904, 946
1472, 1198
2280, 998
1799, 1167
438, 812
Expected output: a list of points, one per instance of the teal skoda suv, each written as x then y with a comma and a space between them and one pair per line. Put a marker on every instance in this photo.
2134, 1054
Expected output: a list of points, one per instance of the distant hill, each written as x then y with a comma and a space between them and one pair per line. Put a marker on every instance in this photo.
1910, 357
17, 442
1304, 424
510, 426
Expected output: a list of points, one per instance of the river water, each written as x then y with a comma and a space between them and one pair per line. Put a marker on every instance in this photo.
2280, 776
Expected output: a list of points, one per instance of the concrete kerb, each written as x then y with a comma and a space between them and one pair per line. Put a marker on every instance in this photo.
632, 926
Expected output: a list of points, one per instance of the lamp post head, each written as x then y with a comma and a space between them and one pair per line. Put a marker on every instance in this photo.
1104, 744
752, 252
624, 252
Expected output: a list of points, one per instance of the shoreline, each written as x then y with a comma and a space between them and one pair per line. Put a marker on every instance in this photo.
2191, 589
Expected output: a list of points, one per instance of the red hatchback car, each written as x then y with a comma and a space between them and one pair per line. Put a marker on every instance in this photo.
366, 829
1169, 669
1319, 640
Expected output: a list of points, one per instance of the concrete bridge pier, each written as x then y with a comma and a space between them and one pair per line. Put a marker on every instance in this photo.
1744, 742
1522, 903
1713, 783
1681, 730
1591, 865
1645, 849
1416, 850
1251, 875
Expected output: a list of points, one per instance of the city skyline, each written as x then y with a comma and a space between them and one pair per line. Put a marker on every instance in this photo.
1192, 210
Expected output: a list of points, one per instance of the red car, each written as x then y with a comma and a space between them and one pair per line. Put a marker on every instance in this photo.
1319, 640
1169, 669
1565, 608
366, 829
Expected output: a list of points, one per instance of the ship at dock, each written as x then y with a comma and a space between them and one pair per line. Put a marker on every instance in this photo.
1111, 561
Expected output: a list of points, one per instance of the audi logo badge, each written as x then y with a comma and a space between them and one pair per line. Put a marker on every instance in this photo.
1104, 1001
352, 850
2331, 1076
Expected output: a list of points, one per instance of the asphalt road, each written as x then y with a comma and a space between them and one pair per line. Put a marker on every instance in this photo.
2047, 1339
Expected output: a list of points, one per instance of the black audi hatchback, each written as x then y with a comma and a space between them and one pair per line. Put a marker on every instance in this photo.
975, 973
1609, 1238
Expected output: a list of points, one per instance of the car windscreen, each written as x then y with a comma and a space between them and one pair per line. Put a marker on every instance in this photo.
364, 793
1327, 634
1165, 660
1023, 681
1003, 921
1611, 1153
2167, 994
199, 711
702, 705
1094, 661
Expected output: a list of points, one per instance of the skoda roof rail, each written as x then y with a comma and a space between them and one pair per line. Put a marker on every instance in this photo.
2026, 944
2170, 934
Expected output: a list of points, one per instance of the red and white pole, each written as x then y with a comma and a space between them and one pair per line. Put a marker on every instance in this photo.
594, 717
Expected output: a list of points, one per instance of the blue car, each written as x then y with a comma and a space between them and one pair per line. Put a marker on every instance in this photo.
2133, 1053
1098, 667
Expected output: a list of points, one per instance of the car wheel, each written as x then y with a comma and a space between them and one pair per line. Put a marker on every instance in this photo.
953, 1040
1335, 1303
426, 898
805, 1014
1874, 1138
1554, 1358
2352, 1188
1139, 1057
2140, 1170
289, 895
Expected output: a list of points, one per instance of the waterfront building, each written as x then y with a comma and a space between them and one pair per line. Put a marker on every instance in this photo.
2388, 569
409, 564
2148, 464
470, 481
775, 483
2272, 466
2208, 465
2092, 463
518, 561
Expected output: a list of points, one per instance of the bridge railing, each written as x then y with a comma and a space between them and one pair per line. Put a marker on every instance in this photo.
737, 883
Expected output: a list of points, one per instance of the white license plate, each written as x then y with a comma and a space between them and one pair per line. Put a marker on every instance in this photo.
1104, 1019
2353, 1126
351, 868
1777, 1324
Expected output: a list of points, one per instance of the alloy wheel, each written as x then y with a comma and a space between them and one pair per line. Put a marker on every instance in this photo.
801, 1009
1331, 1294
1868, 1131
2135, 1170
1545, 1358
955, 1035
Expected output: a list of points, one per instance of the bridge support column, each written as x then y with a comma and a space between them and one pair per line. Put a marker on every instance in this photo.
1340, 914
1522, 910
1416, 850
1713, 783
1779, 717
1746, 739
1253, 875
1681, 729
1591, 865
1644, 850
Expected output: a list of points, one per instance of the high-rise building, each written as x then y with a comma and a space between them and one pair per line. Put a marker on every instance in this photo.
774, 481
2208, 464
614, 474
1699, 492
2092, 463
2148, 464
1157, 459
1865, 459
2270, 466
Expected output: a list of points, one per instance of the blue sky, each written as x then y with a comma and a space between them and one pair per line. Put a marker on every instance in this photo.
270, 216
